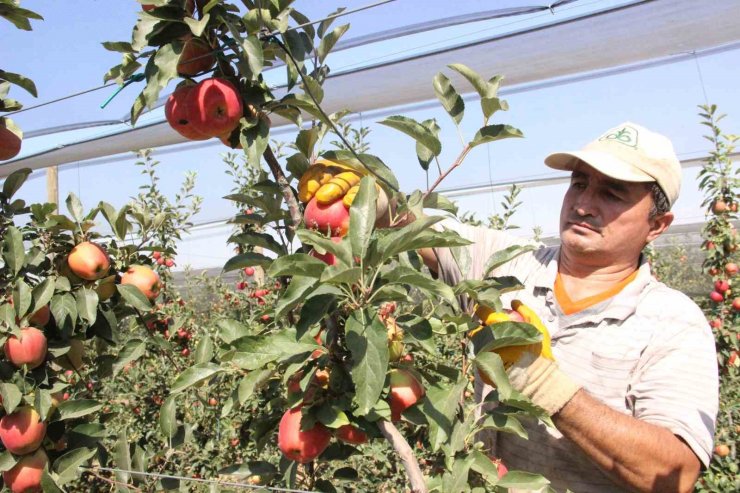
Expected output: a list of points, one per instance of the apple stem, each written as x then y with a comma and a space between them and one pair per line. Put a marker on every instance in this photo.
402, 448
290, 199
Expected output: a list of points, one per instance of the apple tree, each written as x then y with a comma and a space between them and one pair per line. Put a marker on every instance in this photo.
363, 343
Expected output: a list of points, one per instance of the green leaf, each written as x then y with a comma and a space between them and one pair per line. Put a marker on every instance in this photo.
42, 403
42, 293
247, 259
367, 340
362, 216
77, 408
421, 281
74, 206
197, 26
259, 350
11, 396
323, 244
87, 304
7, 461
403, 239
20, 81
118, 46
67, 467
122, 461
484, 466
505, 255
133, 350
457, 479
167, 417
296, 292
448, 96
195, 374
64, 309
230, 330
22, 298
297, 264
440, 406
306, 141
418, 331
314, 310
134, 297
159, 71
255, 57
254, 141
492, 105
331, 417
341, 274
328, 42
251, 382
420, 133
13, 251
204, 350
493, 133
478, 82
504, 423
366, 163
14, 182
506, 334
423, 153
521, 480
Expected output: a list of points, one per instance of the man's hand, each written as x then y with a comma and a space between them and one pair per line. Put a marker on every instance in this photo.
532, 369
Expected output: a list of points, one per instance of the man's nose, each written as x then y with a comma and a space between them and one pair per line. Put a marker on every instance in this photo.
584, 204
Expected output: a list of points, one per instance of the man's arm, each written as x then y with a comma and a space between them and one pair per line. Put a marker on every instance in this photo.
639, 455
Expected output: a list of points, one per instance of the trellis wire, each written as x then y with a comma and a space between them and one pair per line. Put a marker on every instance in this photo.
198, 480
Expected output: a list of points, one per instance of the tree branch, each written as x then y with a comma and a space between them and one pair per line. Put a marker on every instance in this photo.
290, 199
457, 163
402, 448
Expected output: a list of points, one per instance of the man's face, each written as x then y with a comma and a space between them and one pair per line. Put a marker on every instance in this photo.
604, 220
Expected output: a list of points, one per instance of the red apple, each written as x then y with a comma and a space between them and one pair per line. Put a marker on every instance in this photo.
25, 475
177, 112
10, 140
22, 431
328, 258
29, 350
196, 57
215, 107
88, 261
722, 450
40, 317
332, 219
736, 304
351, 434
732, 360
715, 323
719, 206
501, 469
249, 271
716, 297
301, 445
144, 278
721, 285
731, 269
406, 390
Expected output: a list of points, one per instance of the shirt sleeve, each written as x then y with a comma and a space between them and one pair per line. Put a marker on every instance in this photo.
677, 386
467, 262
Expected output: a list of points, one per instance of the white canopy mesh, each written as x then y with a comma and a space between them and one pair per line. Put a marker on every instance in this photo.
645, 30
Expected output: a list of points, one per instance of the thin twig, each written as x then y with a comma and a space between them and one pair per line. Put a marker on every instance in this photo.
403, 449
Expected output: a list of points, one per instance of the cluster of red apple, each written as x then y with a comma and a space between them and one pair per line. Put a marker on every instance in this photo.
306, 445
167, 262
720, 206
722, 290
210, 108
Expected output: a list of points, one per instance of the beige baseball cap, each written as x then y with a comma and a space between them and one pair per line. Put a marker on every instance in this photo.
628, 152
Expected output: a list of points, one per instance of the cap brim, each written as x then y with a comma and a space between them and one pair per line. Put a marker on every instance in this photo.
603, 162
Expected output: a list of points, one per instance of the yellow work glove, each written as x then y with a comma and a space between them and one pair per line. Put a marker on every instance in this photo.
532, 369
328, 182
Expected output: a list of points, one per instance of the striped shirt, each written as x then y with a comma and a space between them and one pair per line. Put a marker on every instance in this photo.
647, 352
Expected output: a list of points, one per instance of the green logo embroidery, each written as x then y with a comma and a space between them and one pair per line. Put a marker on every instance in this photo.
625, 135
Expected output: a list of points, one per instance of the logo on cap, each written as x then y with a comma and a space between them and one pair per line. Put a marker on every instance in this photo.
626, 135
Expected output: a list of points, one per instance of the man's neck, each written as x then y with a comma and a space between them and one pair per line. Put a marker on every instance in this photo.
583, 279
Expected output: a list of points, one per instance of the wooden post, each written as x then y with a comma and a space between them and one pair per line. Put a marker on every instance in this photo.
52, 185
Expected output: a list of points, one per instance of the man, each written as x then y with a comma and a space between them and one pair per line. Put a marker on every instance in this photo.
632, 388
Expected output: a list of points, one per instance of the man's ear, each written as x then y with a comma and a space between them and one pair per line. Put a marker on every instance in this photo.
658, 224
